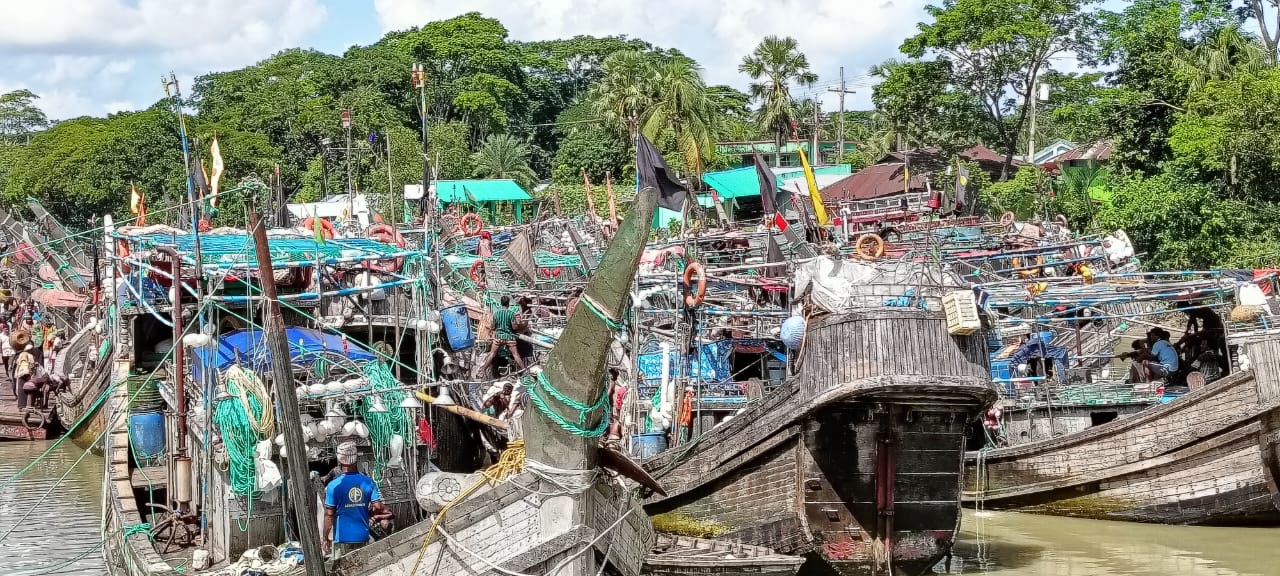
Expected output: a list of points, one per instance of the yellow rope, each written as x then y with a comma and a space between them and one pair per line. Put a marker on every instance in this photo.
509, 463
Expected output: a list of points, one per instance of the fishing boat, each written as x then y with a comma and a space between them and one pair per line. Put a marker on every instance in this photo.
205, 498
1193, 448
856, 457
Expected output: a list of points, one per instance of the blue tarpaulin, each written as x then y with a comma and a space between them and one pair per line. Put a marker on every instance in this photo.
305, 346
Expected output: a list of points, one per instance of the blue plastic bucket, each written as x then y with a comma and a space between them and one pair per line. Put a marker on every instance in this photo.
457, 327
645, 446
146, 435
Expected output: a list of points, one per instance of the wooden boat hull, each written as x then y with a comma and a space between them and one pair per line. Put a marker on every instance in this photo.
1208, 457
857, 464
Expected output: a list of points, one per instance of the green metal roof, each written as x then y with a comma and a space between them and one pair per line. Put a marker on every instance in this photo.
741, 182
663, 216
450, 191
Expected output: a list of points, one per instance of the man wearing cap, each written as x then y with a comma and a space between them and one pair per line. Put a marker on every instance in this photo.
349, 501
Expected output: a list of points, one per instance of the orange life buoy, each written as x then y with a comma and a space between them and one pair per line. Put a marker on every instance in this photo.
325, 225
387, 235
471, 224
1007, 218
700, 294
869, 246
1061, 219
477, 270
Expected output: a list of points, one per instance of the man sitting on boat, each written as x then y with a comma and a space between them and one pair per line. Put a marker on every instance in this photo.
1141, 352
1166, 362
350, 501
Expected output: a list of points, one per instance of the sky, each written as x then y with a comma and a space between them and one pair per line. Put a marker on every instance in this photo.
95, 57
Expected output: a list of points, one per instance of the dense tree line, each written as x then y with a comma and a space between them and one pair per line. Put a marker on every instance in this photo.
1186, 95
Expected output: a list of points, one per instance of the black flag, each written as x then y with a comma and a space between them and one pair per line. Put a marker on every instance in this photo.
652, 171
768, 184
962, 180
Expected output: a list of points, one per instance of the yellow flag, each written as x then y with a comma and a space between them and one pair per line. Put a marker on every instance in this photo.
135, 199
819, 211
218, 168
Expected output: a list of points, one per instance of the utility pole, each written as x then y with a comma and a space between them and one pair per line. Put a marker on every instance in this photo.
842, 91
1036, 92
282, 383
420, 82
351, 201
817, 109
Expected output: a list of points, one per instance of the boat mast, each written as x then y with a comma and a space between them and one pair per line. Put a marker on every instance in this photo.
281, 380
577, 364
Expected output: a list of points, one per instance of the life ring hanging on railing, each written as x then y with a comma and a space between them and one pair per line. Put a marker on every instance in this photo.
869, 246
471, 224
325, 225
696, 297
387, 235
477, 270
1007, 218
1061, 219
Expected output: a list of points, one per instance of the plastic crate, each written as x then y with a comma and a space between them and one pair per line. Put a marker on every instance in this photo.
961, 308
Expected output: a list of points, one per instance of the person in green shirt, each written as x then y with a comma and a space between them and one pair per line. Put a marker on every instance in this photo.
503, 332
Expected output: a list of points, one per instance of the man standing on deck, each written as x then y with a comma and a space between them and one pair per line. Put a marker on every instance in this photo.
504, 332
349, 501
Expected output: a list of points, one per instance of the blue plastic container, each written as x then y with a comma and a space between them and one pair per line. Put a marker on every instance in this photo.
644, 446
457, 327
146, 434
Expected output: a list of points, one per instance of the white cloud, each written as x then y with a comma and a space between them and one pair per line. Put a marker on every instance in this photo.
855, 34
212, 32
118, 106
78, 54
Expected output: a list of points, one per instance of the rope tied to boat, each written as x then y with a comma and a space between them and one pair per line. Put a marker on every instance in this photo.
575, 428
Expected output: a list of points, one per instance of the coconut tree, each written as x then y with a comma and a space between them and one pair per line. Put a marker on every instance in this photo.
1227, 51
625, 91
503, 156
681, 108
773, 66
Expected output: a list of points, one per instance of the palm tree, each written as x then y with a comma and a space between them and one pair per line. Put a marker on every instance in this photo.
680, 106
1227, 51
503, 156
774, 65
625, 91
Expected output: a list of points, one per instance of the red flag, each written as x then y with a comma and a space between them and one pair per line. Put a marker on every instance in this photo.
780, 222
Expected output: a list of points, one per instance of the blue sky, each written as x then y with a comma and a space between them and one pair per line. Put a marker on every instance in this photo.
94, 57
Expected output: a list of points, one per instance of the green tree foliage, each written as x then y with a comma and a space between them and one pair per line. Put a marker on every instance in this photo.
19, 116
992, 49
595, 150
774, 65
1230, 133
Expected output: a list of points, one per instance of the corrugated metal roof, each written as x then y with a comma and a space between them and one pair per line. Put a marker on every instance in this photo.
449, 191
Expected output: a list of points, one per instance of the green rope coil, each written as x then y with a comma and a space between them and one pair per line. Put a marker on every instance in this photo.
239, 438
382, 425
583, 410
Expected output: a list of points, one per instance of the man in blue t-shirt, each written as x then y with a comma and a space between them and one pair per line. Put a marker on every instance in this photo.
349, 501
1166, 361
